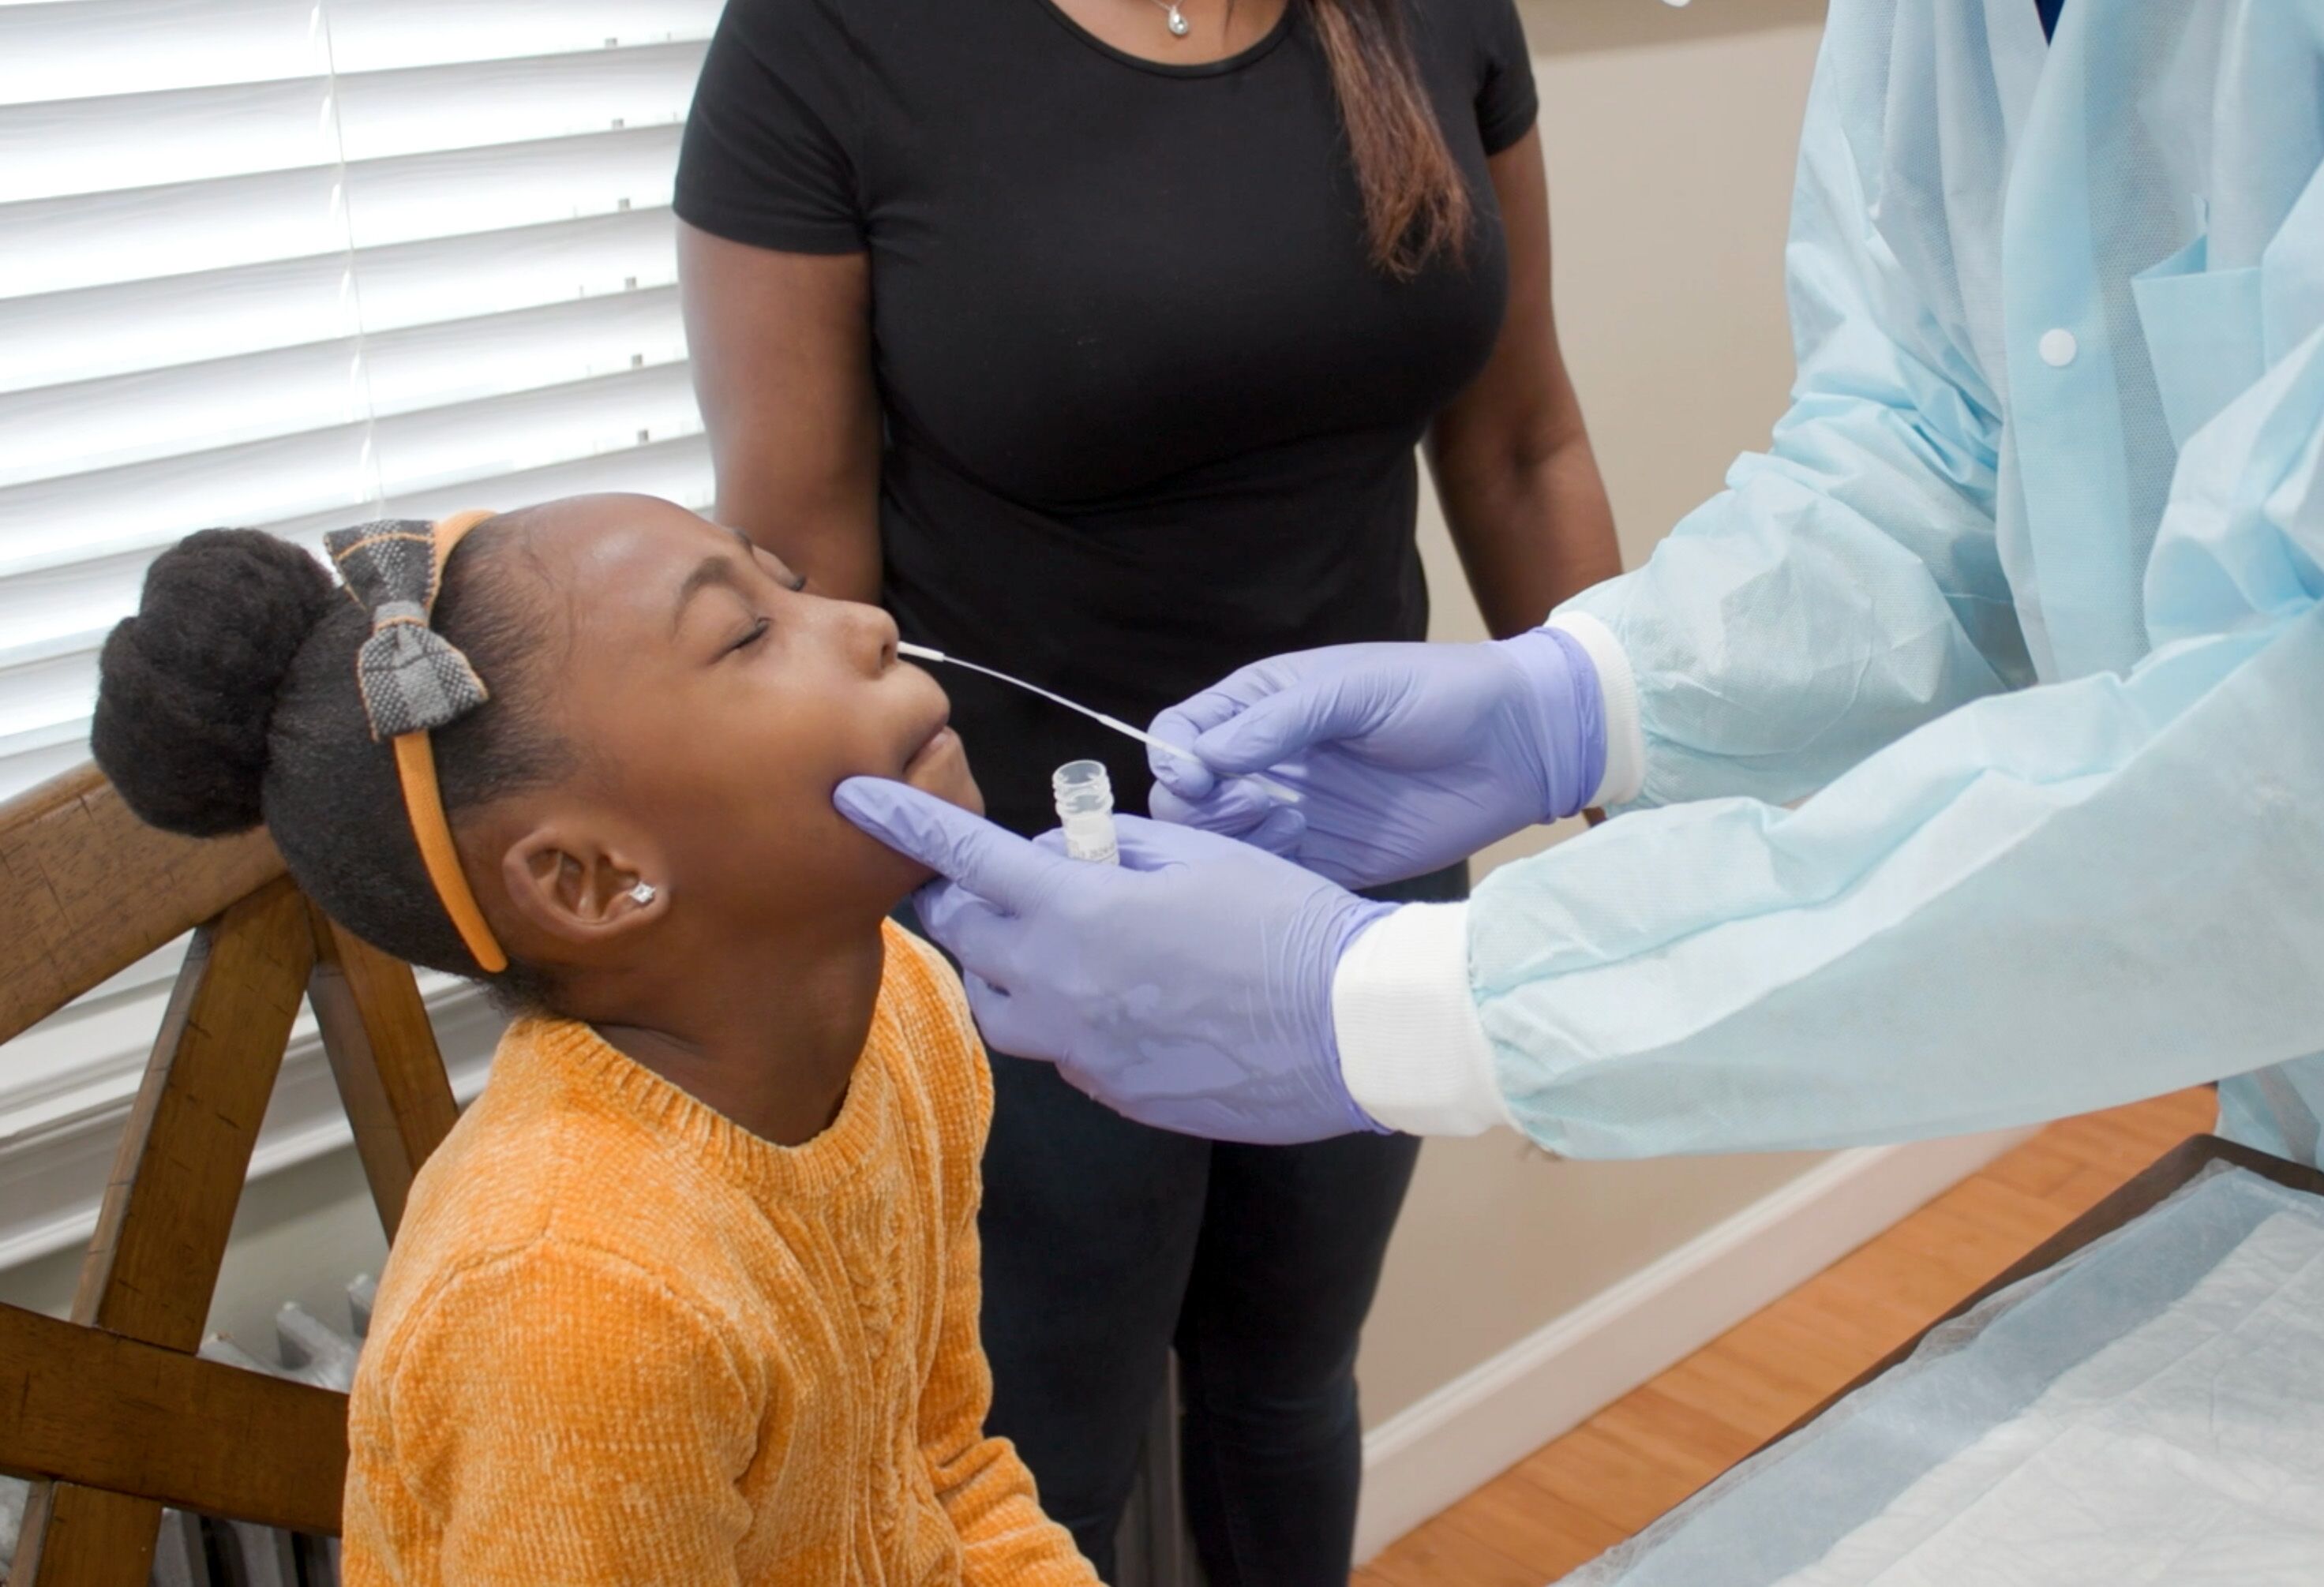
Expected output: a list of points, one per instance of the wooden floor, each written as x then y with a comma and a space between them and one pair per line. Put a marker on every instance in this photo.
1631, 1462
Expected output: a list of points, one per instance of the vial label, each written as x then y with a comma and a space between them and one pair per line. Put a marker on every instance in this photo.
1093, 840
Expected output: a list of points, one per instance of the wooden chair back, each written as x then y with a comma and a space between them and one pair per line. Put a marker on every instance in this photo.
112, 1414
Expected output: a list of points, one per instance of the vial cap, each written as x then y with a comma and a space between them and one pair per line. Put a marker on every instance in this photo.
1081, 776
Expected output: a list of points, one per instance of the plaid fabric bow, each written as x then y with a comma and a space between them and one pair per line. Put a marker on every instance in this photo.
413, 679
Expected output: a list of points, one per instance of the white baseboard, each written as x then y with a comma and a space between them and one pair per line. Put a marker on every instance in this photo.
1436, 1452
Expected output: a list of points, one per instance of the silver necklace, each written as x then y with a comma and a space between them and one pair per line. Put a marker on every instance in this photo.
1178, 24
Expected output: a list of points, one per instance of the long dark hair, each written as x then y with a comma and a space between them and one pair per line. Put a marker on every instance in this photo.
1416, 207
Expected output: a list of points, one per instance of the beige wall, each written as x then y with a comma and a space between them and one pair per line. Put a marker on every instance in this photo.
1669, 136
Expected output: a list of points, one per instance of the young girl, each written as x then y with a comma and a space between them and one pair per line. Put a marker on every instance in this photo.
690, 1294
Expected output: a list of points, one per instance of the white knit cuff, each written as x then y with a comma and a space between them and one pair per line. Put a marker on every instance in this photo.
1626, 743
1412, 1050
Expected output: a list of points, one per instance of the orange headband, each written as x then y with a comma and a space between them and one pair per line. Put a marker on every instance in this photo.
413, 680
423, 798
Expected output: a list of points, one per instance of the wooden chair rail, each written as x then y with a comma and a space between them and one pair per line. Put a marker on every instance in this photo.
92, 1408
87, 890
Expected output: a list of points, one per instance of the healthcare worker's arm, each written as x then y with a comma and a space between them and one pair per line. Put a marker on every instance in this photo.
2053, 901
2041, 903
1847, 586
2047, 902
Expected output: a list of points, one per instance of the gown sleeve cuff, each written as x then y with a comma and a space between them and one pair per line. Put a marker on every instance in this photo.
1413, 1052
1626, 744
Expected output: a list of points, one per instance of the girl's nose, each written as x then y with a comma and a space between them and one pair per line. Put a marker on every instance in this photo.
877, 633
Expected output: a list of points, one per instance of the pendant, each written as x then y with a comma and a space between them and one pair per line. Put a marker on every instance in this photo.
1177, 23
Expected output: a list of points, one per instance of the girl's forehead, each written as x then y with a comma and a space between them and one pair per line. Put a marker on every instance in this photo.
630, 537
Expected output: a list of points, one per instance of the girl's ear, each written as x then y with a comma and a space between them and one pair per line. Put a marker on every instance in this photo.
579, 887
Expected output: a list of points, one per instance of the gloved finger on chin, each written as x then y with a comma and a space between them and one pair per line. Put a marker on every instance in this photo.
952, 842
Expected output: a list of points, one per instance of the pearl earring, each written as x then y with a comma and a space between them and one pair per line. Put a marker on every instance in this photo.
644, 892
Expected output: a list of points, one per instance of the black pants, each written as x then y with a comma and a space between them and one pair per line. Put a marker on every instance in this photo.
1106, 1243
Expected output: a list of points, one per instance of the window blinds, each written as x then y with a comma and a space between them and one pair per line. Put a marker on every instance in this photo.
295, 263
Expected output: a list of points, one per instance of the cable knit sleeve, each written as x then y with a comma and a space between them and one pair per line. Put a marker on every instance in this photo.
566, 1416
1005, 1538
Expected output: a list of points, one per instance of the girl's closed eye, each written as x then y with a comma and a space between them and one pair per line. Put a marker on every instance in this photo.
750, 636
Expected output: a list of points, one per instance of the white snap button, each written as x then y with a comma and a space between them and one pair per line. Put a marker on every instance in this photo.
2058, 348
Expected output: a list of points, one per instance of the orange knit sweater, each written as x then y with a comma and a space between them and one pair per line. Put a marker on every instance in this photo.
623, 1339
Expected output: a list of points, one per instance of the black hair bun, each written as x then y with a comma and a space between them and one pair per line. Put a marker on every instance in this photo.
186, 687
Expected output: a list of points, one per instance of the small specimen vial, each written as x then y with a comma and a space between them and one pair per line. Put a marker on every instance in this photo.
1085, 810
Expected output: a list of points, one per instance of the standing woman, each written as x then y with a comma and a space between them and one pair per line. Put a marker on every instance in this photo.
1094, 337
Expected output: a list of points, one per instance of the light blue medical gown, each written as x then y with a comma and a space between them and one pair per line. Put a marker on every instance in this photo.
2023, 601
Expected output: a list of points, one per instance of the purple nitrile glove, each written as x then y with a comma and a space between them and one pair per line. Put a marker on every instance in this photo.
1188, 987
1407, 758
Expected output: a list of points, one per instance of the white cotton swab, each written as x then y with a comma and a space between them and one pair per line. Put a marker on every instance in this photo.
924, 653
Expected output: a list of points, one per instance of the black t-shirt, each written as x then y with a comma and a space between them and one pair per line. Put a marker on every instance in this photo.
1151, 411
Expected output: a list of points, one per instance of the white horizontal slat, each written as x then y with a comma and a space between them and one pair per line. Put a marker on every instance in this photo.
56, 675
77, 600
31, 758
54, 338
124, 419
69, 48
45, 611
474, 190
58, 148
465, 361
60, 244
493, 272
676, 470
40, 693
52, 148
68, 609
57, 245
378, 35
64, 431
49, 522
75, 48
441, 446
423, 109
